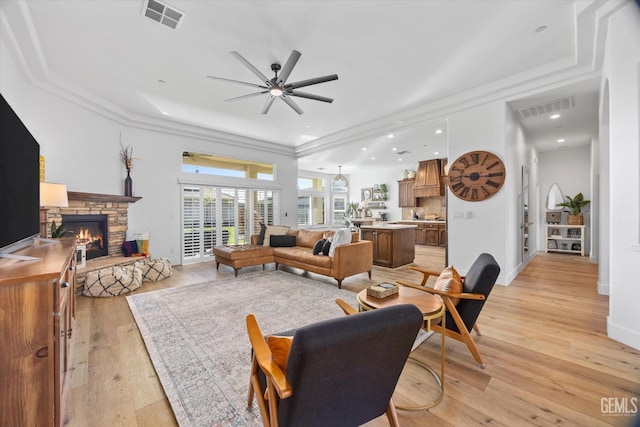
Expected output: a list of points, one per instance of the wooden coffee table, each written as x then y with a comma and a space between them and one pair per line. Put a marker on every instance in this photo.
431, 308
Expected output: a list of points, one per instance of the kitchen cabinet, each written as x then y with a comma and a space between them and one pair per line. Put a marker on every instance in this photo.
442, 232
38, 302
420, 237
431, 235
393, 245
428, 233
428, 181
406, 198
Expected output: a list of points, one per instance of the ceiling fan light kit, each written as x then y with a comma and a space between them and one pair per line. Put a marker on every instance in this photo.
277, 87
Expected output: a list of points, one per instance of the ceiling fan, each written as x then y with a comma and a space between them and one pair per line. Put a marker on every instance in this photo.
278, 87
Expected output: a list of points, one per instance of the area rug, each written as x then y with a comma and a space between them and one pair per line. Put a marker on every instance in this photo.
197, 339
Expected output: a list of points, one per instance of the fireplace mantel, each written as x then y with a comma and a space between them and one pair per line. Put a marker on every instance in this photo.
94, 197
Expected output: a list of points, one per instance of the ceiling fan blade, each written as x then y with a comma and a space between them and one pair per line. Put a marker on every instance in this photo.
310, 82
237, 81
268, 104
251, 95
292, 104
309, 96
253, 69
288, 67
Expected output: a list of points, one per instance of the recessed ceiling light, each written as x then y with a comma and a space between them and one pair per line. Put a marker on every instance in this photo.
394, 149
399, 160
541, 28
555, 116
438, 131
308, 126
392, 135
436, 153
373, 158
561, 140
364, 148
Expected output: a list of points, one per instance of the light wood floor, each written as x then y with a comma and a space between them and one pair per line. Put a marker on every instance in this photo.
548, 359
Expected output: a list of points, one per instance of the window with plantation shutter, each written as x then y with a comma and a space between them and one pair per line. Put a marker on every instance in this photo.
209, 220
213, 216
312, 201
191, 218
310, 210
339, 209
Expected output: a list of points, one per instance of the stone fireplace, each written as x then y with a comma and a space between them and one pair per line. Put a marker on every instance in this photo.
114, 209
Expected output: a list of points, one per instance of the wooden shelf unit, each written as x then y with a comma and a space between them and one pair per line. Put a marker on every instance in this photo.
569, 235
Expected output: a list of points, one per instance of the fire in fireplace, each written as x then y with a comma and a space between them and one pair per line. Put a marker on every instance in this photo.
90, 231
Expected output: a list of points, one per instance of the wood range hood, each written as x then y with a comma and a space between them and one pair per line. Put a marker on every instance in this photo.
429, 182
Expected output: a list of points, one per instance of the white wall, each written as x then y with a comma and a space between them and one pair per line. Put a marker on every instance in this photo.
521, 155
621, 70
491, 224
82, 150
388, 176
571, 170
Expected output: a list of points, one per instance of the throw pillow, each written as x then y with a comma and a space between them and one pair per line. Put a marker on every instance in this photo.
280, 347
286, 241
263, 229
130, 247
317, 248
449, 281
274, 230
340, 238
326, 247
142, 239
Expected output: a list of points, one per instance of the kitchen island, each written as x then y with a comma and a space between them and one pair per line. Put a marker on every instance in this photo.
393, 244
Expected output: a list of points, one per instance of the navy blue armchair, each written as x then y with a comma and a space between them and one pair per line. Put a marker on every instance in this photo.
339, 372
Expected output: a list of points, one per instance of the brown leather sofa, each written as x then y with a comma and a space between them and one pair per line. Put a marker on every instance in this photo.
352, 258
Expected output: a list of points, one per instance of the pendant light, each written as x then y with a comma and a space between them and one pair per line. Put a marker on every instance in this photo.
340, 182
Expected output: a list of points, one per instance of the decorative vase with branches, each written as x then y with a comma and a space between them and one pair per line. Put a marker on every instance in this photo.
126, 154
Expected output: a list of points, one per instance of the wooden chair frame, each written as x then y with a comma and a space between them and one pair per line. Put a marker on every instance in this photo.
463, 335
277, 385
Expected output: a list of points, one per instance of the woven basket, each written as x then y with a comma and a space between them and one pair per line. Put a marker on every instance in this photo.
383, 291
575, 219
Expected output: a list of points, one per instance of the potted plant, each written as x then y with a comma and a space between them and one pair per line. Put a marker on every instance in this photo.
58, 232
352, 210
383, 190
575, 205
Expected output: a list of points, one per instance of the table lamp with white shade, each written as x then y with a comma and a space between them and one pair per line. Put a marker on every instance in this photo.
51, 196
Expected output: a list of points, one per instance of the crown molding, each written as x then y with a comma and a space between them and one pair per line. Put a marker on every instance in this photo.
591, 25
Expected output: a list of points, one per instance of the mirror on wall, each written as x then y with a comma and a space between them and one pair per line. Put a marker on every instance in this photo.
554, 196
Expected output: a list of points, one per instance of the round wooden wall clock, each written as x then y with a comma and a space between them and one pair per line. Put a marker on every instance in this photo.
476, 176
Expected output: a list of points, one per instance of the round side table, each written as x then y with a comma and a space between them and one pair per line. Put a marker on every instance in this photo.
431, 308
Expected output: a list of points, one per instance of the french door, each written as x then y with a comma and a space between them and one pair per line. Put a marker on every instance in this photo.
214, 216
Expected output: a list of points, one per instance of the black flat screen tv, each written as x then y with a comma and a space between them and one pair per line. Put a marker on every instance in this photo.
19, 179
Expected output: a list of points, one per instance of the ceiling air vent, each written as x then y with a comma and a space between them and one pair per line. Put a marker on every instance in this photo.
402, 152
162, 13
547, 107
